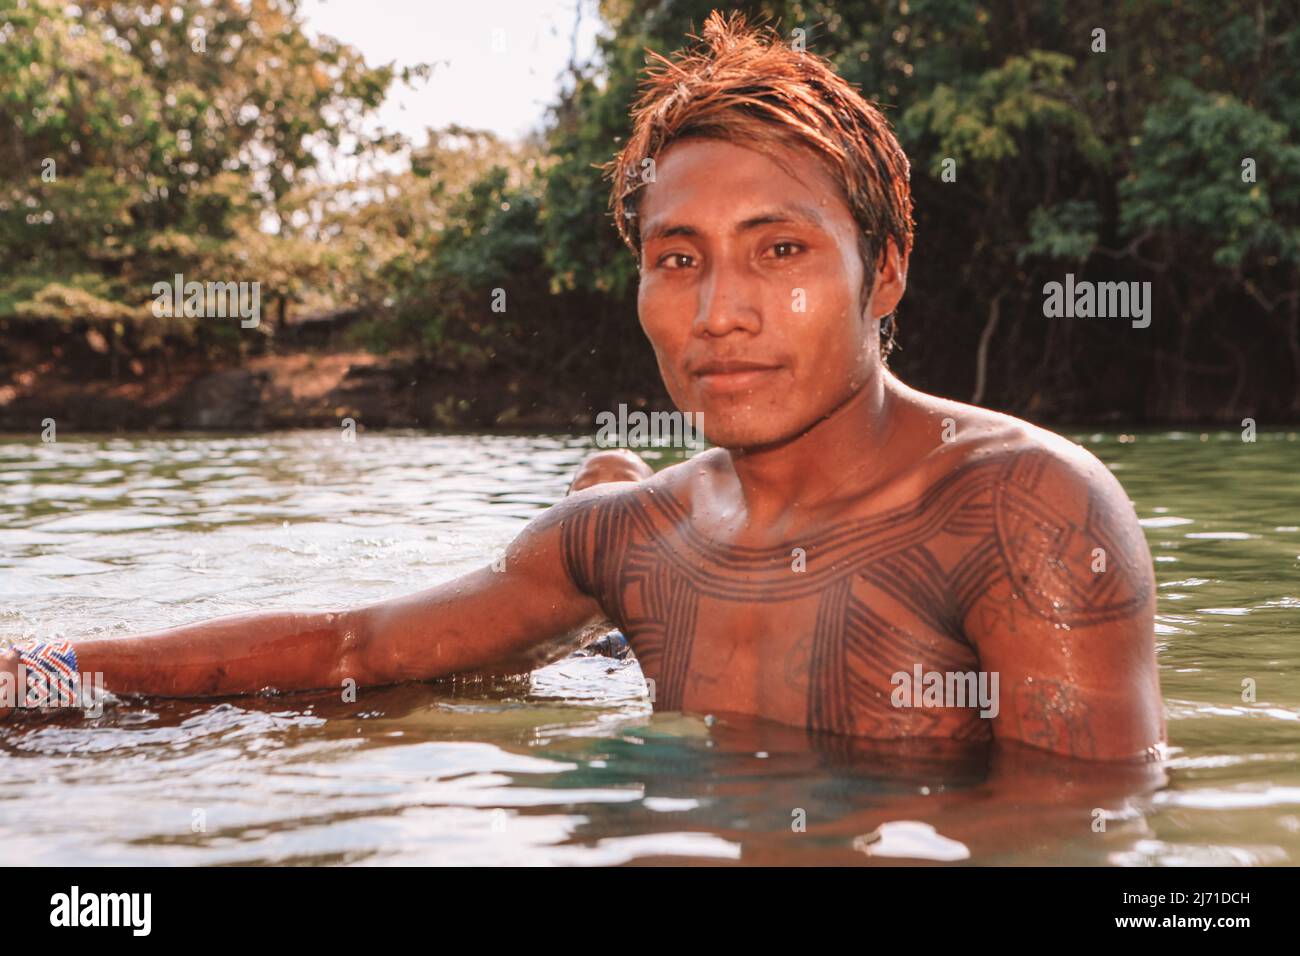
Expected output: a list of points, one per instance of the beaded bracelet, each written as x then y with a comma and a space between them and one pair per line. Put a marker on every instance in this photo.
51, 673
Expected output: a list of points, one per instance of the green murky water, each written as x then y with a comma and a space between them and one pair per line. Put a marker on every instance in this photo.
121, 534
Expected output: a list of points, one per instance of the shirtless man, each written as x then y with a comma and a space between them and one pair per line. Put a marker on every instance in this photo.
844, 530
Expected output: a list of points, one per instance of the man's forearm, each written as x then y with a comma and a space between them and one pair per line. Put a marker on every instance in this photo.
243, 654
510, 618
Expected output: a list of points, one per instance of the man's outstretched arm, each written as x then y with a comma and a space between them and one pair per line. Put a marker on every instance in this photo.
507, 618
1068, 617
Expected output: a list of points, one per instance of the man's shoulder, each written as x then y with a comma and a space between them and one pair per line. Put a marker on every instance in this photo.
1065, 533
1048, 501
1018, 453
594, 528
587, 516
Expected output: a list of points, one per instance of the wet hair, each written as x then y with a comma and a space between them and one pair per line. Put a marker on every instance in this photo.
744, 84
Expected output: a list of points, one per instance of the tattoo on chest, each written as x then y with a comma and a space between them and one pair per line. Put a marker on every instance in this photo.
883, 588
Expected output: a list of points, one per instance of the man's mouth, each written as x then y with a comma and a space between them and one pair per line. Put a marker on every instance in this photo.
732, 375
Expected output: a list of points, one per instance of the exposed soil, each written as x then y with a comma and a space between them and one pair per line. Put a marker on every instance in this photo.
309, 388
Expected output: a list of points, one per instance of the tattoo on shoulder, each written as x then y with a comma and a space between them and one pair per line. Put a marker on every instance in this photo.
1077, 564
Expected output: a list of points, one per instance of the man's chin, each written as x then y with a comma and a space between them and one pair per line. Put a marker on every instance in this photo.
737, 434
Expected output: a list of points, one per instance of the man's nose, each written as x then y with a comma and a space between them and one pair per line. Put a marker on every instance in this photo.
729, 300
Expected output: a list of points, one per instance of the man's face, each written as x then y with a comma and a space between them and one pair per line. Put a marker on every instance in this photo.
750, 292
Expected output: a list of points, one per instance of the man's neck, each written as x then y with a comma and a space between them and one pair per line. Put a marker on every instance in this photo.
842, 454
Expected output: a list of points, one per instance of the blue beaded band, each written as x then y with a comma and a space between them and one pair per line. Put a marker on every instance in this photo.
51, 673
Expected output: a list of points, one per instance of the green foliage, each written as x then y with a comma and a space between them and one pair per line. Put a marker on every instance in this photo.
68, 304
1066, 231
1124, 164
465, 298
1187, 178
995, 115
141, 141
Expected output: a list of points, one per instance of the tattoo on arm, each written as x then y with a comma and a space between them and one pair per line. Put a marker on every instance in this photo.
1071, 569
1054, 716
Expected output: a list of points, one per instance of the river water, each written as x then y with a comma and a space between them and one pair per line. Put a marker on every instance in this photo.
114, 535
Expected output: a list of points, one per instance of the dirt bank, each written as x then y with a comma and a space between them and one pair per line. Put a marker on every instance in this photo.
295, 390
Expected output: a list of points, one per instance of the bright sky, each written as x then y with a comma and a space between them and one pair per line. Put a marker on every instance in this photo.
505, 58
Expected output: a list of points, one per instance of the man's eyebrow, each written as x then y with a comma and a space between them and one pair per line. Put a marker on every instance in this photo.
789, 212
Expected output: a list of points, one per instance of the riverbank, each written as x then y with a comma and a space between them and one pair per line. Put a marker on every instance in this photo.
81, 388
295, 390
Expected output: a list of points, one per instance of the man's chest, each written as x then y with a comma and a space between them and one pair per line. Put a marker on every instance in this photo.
821, 631
800, 638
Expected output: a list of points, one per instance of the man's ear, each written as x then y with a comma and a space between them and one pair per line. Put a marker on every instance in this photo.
891, 280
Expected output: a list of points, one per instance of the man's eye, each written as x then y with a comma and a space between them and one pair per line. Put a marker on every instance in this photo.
671, 257
787, 245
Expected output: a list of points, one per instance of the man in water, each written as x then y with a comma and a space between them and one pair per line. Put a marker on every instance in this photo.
847, 540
